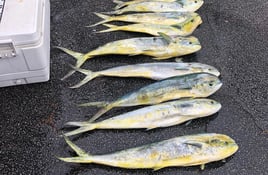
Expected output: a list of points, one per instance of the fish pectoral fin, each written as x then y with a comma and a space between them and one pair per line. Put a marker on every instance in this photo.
179, 60
166, 37
150, 128
135, 54
202, 166
194, 144
158, 168
161, 58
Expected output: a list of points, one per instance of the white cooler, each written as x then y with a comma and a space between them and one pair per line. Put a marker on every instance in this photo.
24, 41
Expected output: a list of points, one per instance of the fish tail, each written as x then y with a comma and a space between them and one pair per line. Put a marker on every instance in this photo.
98, 104
90, 75
112, 28
118, 2
80, 152
101, 112
79, 124
84, 127
121, 5
76, 159
106, 18
81, 58
116, 12
83, 156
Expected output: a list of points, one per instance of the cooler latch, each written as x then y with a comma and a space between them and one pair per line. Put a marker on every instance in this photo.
7, 49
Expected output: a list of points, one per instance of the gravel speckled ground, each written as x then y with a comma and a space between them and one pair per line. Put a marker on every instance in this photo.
235, 40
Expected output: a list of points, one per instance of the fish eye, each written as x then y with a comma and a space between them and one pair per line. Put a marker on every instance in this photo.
192, 20
210, 84
212, 102
195, 1
190, 42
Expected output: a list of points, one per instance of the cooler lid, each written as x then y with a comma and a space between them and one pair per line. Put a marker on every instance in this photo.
21, 21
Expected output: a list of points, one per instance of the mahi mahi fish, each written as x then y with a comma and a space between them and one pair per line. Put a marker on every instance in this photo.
165, 18
181, 151
160, 6
155, 71
121, 4
191, 85
181, 29
161, 115
163, 47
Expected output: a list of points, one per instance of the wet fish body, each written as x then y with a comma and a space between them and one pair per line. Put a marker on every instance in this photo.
165, 18
163, 47
182, 29
162, 115
182, 151
158, 6
123, 3
192, 85
155, 71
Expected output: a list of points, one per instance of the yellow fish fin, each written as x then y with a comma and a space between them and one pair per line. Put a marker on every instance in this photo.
158, 168
77, 150
81, 58
202, 166
150, 128
161, 58
166, 37
179, 60
106, 18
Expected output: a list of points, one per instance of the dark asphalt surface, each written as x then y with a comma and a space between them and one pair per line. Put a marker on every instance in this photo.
235, 40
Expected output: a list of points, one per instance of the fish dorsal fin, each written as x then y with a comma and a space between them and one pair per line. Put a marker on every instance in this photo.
198, 145
166, 37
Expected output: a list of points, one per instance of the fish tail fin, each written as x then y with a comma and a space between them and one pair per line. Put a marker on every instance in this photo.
81, 58
98, 104
80, 152
84, 127
76, 159
121, 4
101, 112
79, 124
111, 28
90, 75
116, 12
106, 18
83, 156
118, 2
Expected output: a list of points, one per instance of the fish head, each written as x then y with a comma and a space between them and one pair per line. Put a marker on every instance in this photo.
206, 84
221, 145
192, 5
207, 106
185, 45
191, 23
205, 68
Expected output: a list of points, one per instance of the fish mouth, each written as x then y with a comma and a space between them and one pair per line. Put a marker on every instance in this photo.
218, 86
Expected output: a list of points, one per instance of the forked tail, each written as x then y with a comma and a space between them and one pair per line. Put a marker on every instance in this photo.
78, 56
106, 18
121, 4
84, 127
101, 112
111, 28
83, 157
89, 76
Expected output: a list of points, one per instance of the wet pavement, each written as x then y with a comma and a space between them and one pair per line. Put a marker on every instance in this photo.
234, 39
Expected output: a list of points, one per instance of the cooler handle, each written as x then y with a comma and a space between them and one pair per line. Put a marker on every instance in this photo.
7, 49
